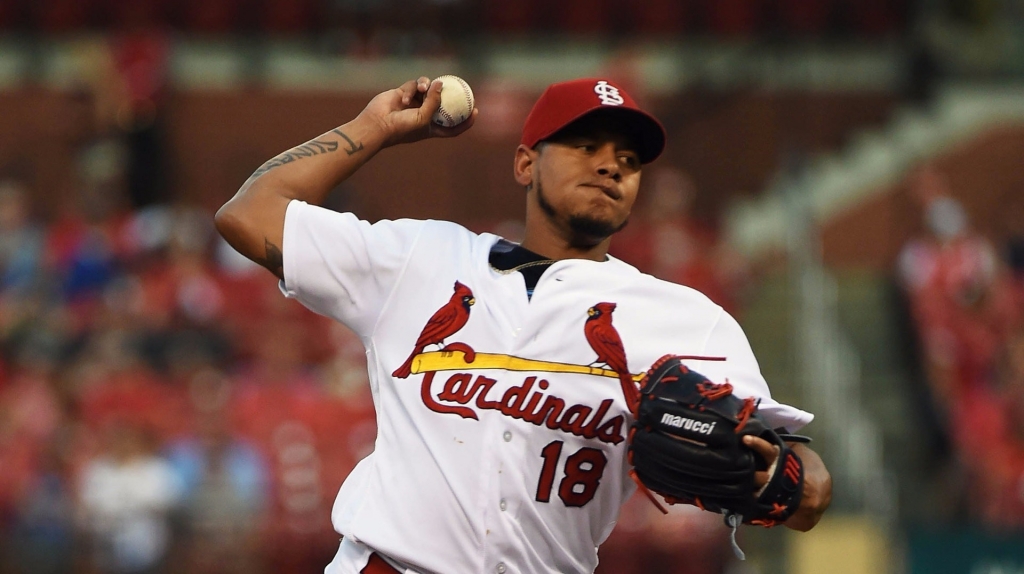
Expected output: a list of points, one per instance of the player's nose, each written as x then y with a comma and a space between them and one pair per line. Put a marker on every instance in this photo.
607, 163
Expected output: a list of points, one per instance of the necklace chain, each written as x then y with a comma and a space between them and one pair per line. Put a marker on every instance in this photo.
524, 266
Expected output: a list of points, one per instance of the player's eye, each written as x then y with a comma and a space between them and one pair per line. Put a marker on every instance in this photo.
630, 160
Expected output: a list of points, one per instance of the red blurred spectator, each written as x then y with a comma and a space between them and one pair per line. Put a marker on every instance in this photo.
30, 414
959, 294
993, 450
311, 439
969, 321
114, 384
141, 59
180, 286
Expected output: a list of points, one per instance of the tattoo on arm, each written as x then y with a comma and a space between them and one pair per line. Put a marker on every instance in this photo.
308, 149
274, 260
351, 144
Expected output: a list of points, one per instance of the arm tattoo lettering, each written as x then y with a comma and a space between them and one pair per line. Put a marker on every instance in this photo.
274, 260
351, 144
308, 149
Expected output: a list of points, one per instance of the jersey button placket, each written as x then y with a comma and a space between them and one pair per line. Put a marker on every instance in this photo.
503, 504
500, 568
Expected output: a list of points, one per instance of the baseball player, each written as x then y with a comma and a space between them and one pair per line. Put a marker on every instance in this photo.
503, 374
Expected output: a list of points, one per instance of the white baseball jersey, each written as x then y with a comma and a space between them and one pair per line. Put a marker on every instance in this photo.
501, 446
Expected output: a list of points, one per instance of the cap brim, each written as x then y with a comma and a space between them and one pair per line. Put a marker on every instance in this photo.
650, 134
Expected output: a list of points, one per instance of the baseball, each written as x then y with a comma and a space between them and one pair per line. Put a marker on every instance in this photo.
456, 102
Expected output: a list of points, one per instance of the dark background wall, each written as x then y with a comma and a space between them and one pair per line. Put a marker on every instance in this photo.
984, 174
729, 144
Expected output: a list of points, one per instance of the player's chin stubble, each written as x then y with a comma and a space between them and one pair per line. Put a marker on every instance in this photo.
586, 230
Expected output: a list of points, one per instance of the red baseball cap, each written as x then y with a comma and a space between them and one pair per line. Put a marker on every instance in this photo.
563, 103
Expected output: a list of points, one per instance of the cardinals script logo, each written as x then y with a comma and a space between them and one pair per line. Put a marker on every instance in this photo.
528, 401
456, 382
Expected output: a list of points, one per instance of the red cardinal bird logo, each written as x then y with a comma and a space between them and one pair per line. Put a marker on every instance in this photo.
444, 323
605, 341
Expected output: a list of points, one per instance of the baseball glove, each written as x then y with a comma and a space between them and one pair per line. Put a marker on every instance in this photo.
687, 445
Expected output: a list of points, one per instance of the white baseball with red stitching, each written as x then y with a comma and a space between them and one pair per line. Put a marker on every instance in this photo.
456, 102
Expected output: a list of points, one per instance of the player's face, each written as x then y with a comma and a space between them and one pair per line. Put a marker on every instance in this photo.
585, 179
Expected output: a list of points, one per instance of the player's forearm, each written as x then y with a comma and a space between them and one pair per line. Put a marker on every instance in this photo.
252, 221
308, 172
817, 493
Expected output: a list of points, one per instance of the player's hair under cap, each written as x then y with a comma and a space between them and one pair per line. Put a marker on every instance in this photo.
565, 102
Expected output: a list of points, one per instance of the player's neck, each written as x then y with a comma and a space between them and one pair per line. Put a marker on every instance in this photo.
555, 247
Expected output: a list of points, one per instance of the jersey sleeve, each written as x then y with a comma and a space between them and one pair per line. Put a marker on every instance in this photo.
742, 371
343, 267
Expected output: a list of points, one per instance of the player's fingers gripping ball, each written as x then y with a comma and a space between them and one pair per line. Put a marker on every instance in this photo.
456, 102
687, 445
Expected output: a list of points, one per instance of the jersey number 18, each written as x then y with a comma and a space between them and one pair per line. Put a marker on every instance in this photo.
583, 470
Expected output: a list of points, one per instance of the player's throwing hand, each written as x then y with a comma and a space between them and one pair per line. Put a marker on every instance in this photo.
405, 112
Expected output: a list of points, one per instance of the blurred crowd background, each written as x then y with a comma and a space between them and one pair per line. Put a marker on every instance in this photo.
843, 176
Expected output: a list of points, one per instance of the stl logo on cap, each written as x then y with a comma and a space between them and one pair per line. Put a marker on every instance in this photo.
608, 94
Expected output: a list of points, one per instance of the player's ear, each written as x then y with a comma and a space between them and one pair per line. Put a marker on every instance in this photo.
523, 166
